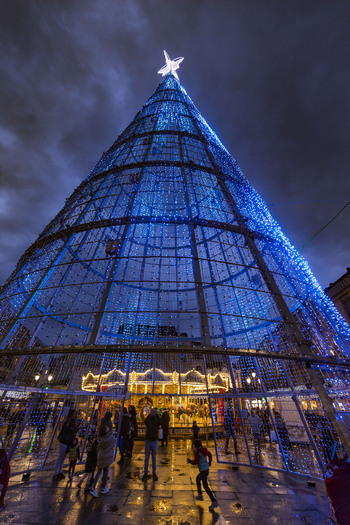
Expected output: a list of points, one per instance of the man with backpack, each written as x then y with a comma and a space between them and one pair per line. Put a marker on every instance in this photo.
200, 458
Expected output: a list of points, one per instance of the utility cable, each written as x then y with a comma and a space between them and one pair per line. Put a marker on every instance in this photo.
325, 226
300, 202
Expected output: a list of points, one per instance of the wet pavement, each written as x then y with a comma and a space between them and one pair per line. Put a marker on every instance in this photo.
245, 496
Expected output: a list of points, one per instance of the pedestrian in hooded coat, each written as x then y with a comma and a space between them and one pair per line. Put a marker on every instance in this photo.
107, 420
105, 457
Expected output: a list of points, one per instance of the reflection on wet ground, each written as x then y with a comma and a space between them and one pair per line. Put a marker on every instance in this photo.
247, 496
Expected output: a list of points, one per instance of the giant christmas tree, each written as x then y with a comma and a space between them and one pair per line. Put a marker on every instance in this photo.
165, 281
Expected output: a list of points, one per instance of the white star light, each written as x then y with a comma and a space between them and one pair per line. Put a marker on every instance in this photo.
171, 65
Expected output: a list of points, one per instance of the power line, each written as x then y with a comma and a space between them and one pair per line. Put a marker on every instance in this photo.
301, 202
325, 226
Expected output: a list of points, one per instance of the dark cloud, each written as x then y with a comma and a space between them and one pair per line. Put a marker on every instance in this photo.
271, 78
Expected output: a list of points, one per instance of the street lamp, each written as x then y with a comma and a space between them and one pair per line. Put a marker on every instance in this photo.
37, 377
49, 378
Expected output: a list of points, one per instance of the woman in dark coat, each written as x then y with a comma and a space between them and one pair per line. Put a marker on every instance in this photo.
124, 438
133, 430
165, 419
65, 438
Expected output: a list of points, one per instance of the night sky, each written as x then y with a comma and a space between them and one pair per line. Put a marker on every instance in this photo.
272, 78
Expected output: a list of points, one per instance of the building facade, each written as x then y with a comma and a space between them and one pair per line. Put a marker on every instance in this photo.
339, 293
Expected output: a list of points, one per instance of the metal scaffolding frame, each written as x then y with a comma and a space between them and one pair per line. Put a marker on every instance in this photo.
165, 274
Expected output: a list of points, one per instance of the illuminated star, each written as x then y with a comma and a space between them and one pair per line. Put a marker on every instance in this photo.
170, 66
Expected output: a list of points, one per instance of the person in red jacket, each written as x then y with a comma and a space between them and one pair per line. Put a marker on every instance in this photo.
200, 458
5, 472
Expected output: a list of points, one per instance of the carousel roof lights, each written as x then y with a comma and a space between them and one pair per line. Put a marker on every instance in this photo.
90, 380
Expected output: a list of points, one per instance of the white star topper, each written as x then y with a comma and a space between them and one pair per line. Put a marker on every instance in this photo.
171, 65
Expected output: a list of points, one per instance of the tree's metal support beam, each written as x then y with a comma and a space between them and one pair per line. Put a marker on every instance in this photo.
176, 349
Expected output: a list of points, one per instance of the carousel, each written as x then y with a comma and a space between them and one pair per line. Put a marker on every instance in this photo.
184, 395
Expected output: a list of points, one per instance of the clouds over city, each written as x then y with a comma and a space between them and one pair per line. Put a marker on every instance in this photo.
271, 79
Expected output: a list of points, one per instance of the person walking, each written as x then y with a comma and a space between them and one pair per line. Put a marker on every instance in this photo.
326, 434
65, 438
105, 457
14, 422
74, 455
266, 430
256, 425
133, 430
283, 433
165, 420
125, 431
200, 458
152, 423
195, 430
229, 423
5, 472
90, 466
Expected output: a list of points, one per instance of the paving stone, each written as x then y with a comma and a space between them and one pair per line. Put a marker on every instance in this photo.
246, 496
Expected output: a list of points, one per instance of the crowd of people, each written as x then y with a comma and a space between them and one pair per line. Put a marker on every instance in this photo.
261, 428
102, 446
99, 436
101, 450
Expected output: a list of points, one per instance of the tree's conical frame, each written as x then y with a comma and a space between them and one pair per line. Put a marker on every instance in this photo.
164, 279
